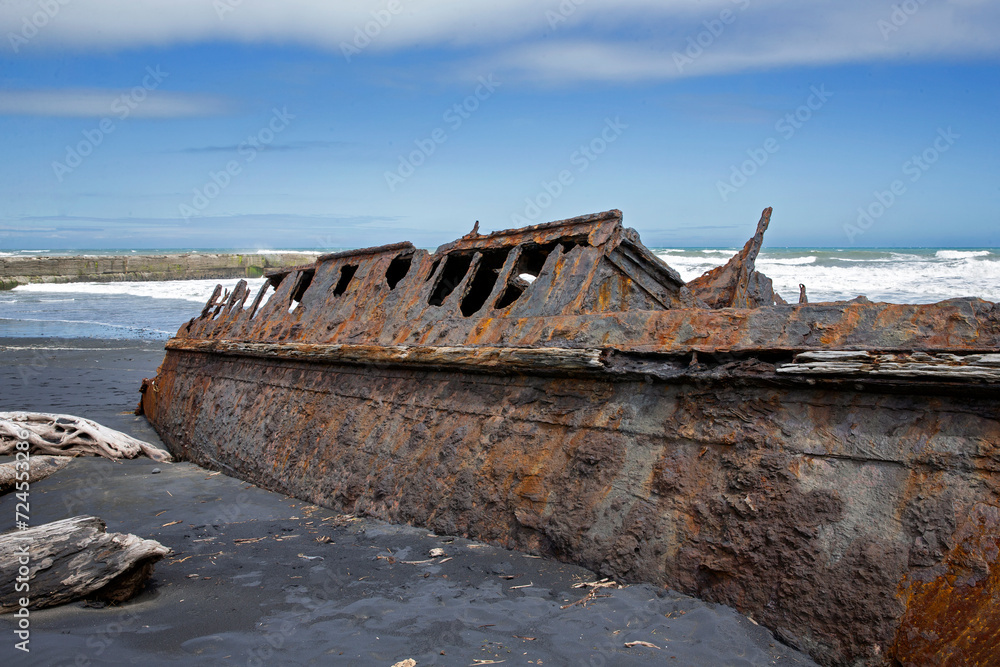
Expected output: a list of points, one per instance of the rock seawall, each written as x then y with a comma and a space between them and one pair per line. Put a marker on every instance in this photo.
16, 271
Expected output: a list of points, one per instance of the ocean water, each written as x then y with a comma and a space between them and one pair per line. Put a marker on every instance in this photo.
156, 310
893, 275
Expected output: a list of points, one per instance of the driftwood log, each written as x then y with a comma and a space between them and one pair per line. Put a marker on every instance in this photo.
66, 435
40, 467
73, 559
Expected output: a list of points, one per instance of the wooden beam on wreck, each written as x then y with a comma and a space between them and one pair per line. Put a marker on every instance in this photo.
917, 365
483, 359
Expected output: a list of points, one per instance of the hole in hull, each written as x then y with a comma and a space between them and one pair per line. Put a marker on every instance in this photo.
434, 268
533, 258
304, 281
397, 270
484, 280
529, 266
509, 296
346, 276
456, 265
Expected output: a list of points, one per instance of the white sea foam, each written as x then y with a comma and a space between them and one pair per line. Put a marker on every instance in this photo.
90, 322
962, 254
787, 261
196, 291
898, 277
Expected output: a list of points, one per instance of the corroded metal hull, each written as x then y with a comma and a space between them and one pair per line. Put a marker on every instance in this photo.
831, 470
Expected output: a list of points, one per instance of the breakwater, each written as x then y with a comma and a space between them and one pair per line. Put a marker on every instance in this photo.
16, 271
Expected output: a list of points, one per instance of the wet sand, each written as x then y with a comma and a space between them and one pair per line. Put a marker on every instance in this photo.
257, 578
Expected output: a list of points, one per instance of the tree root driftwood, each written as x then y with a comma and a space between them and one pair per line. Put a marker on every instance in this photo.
66, 435
40, 468
73, 559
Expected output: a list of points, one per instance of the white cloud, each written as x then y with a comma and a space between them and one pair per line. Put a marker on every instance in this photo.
598, 40
765, 35
89, 103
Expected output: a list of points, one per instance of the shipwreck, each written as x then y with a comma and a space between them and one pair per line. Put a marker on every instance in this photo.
831, 470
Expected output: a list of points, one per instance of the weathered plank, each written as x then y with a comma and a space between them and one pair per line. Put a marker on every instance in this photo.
984, 367
73, 559
435, 357
832, 355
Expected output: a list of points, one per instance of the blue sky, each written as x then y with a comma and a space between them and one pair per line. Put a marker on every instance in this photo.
252, 124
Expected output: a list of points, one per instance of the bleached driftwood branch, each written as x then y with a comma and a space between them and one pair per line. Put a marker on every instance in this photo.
39, 468
66, 435
73, 559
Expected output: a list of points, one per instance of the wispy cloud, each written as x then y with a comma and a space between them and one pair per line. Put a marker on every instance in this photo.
604, 40
766, 35
98, 103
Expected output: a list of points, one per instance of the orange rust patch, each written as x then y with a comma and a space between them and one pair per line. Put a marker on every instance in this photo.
954, 618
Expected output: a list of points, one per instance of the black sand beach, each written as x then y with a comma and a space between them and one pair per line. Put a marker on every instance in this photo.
256, 578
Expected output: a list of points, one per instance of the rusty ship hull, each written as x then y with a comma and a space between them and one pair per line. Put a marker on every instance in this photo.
831, 470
